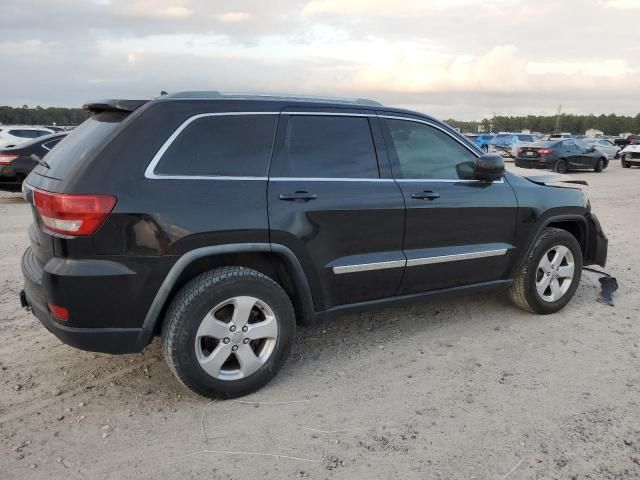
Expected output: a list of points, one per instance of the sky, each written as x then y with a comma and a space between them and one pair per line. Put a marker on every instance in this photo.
462, 59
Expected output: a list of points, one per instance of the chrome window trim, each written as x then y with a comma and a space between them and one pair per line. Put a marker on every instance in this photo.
150, 171
328, 179
367, 267
414, 262
332, 114
445, 180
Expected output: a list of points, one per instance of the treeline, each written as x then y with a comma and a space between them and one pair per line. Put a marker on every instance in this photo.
26, 115
577, 124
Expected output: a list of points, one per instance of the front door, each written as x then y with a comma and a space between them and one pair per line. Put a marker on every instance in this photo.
330, 205
459, 230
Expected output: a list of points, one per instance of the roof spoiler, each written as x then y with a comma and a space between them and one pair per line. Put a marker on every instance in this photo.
114, 105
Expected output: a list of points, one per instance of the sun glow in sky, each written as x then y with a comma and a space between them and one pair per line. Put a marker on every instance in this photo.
465, 59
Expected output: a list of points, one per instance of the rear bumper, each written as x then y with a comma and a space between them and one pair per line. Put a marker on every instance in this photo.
533, 163
107, 340
9, 181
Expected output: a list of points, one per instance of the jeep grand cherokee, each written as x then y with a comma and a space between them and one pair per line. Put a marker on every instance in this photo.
221, 221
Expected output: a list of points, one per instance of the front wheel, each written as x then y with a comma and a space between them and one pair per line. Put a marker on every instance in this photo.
599, 165
228, 332
549, 276
624, 162
485, 148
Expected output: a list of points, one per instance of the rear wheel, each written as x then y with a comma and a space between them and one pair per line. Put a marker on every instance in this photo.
228, 332
599, 165
560, 166
550, 274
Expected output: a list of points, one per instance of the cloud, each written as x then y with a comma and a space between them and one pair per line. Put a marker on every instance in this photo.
451, 58
232, 17
622, 4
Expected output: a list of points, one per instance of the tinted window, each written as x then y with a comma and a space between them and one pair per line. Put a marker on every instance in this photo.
329, 147
80, 144
29, 133
525, 138
227, 145
424, 152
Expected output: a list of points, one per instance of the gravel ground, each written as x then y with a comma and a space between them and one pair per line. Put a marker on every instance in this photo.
464, 388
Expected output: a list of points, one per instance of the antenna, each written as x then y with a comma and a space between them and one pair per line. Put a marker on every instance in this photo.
558, 118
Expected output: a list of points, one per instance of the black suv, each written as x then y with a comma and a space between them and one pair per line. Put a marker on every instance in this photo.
220, 221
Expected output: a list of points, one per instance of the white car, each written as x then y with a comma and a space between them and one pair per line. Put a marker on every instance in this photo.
607, 147
12, 135
630, 155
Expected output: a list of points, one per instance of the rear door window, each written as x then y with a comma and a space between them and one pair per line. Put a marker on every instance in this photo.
221, 145
328, 146
80, 144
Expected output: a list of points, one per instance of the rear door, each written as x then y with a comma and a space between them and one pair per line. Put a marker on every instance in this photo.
333, 203
572, 153
459, 231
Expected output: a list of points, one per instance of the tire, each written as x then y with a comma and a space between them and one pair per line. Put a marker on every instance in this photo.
624, 163
560, 166
211, 300
485, 148
599, 165
524, 290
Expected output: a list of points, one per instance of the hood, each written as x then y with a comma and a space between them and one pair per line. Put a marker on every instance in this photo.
632, 148
548, 178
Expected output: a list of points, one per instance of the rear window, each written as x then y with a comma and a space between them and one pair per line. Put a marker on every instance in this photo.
224, 145
28, 133
80, 144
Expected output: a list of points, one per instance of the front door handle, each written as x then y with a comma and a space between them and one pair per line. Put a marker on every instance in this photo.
426, 195
297, 196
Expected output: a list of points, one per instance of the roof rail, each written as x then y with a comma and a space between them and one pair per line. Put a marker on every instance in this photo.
212, 95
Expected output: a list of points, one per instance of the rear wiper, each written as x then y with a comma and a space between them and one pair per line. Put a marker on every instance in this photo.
39, 161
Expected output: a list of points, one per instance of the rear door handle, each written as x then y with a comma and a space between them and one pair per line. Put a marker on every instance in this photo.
297, 196
426, 195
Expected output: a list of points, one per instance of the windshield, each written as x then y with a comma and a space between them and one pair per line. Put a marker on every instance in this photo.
80, 144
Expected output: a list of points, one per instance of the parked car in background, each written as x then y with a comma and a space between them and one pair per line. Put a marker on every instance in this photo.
16, 162
483, 140
630, 156
559, 136
561, 156
10, 135
239, 216
507, 144
606, 146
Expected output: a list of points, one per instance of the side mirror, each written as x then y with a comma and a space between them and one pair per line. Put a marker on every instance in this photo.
489, 167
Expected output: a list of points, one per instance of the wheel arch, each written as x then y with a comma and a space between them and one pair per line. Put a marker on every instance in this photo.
574, 224
274, 260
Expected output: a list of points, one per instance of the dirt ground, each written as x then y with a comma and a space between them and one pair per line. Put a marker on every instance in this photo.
464, 388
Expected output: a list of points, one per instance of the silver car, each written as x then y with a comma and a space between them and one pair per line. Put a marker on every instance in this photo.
607, 147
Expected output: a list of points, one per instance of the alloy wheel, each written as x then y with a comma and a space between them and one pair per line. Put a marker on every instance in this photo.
236, 338
555, 273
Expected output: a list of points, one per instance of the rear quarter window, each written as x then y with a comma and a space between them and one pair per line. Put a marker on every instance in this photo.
221, 145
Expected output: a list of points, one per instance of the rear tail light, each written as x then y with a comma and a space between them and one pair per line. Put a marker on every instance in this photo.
6, 159
545, 151
59, 313
520, 151
69, 214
